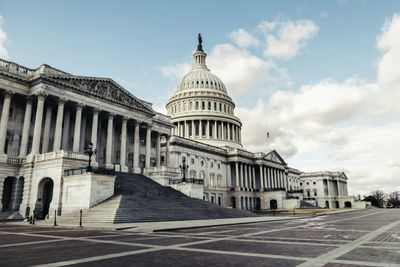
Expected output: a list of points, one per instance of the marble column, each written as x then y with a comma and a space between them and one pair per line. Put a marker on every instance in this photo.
25, 127
229, 131
253, 171
167, 150
200, 129
59, 121
109, 146
46, 131
222, 130
95, 123
77, 129
122, 157
83, 134
246, 184
241, 176
186, 130
208, 129
237, 175
193, 130
215, 130
148, 145
338, 188
158, 150
136, 143
37, 130
4, 120
66, 134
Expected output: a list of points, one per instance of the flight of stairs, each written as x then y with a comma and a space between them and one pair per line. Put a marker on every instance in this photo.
139, 199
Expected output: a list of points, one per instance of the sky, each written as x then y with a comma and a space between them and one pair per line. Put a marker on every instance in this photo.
322, 77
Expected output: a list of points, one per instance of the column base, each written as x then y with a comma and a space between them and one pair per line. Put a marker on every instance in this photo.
124, 168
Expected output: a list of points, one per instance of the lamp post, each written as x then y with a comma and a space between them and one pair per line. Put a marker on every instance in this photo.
88, 150
184, 167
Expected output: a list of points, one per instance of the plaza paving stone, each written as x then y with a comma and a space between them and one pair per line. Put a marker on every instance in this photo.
360, 238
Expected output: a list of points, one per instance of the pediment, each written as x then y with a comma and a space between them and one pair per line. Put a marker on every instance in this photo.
275, 157
103, 88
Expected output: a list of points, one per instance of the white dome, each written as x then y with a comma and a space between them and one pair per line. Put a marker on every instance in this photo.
201, 108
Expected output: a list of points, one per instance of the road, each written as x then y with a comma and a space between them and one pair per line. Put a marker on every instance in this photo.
360, 238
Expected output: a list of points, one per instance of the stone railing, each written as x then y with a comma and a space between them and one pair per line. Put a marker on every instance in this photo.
57, 155
189, 181
15, 160
15, 68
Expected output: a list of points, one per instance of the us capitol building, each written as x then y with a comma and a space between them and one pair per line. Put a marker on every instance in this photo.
50, 117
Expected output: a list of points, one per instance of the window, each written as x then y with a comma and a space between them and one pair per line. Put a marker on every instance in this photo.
308, 193
301, 183
197, 105
192, 160
202, 163
209, 105
203, 105
314, 182
315, 192
212, 164
308, 183
219, 166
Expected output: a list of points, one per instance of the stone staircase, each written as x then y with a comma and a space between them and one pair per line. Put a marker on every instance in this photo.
139, 199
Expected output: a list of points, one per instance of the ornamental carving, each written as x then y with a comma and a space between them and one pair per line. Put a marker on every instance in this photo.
104, 89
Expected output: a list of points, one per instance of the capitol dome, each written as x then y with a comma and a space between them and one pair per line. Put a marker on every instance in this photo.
201, 108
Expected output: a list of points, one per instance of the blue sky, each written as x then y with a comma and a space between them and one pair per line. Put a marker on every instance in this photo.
325, 90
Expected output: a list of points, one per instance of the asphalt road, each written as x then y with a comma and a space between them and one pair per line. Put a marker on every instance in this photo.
360, 238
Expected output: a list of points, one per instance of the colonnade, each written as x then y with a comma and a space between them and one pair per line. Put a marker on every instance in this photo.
270, 178
215, 129
61, 130
273, 178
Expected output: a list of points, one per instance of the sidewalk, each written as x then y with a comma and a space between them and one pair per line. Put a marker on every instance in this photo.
167, 225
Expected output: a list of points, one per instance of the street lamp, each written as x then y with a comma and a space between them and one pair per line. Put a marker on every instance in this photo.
184, 167
88, 150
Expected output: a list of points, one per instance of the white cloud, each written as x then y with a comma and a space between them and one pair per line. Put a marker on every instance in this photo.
389, 43
333, 125
244, 39
290, 38
176, 70
266, 26
3, 40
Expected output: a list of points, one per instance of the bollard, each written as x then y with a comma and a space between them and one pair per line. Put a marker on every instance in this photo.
80, 218
55, 218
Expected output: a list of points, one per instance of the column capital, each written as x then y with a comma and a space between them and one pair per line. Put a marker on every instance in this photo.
8, 93
111, 115
125, 118
80, 105
41, 95
96, 110
62, 100
29, 99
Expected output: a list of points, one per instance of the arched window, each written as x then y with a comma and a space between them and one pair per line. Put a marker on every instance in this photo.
202, 175
219, 180
197, 105
212, 179
203, 105
192, 174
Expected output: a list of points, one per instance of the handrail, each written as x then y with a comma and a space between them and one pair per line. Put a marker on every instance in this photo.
96, 170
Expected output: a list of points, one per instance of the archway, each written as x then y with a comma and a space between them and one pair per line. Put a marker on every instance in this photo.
8, 186
347, 204
45, 196
273, 204
337, 204
327, 204
233, 202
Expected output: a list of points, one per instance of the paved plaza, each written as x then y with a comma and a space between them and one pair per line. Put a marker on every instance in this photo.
359, 238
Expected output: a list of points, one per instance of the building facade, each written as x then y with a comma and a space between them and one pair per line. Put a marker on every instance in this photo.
48, 118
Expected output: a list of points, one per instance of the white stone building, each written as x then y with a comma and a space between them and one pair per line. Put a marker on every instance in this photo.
49, 116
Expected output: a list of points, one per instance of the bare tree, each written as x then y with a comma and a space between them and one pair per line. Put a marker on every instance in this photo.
394, 198
379, 197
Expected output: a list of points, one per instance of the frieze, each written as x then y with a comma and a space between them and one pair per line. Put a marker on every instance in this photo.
105, 89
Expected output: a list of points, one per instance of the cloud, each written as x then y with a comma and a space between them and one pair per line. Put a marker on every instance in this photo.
3, 40
241, 70
267, 26
331, 125
289, 38
389, 43
244, 39
176, 70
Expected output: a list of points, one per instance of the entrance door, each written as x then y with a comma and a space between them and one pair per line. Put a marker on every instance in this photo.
258, 203
233, 202
273, 204
347, 204
327, 204
8, 185
46, 187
